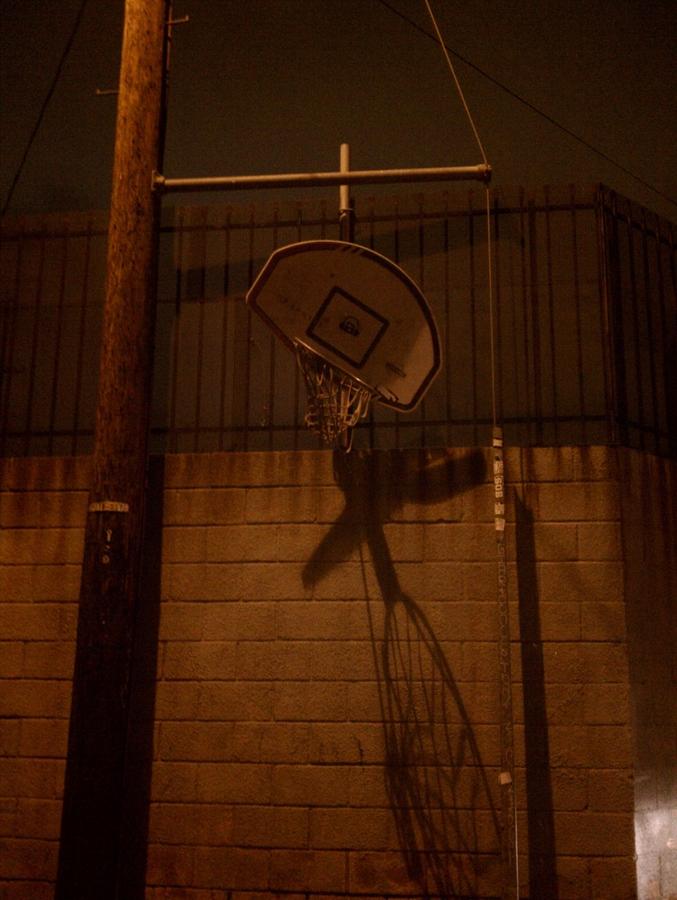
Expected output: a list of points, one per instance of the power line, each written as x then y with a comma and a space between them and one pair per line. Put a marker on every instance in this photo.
530, 105
45, 104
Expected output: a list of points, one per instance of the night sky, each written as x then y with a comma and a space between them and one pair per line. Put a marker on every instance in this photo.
261, 86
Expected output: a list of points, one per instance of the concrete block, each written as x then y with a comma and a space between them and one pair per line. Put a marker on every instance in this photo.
594, 834
308, 701
233, 783
174, 782
44, 738
463, 542
42, 546
323, 620
610, 789
340, 661
351, 829
380, 873
200, 661
560, 620
539, 464
599, 540
274, 661
11, 658
271, 826
44, 509
595, 463
201, 507
308, 870
28, 890
562, 662
276, 742
580, 581
181, 621
41, 473
242, 543
37, 818
613, 878
48, 583
195, 741
231, 620
191, 824
405, 541
346, 743
283, 504
460, 620
49, 659
565, 703
36, 699
176, 700
310, 785
185, 582
226, 701
602, 621
28, 859
184, 544
607, 704
31, 778
555, 541
10, 736
603, 662
575, 501
169, 864
609, 746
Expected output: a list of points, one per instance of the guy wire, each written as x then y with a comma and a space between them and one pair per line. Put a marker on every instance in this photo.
509, 839
471, 121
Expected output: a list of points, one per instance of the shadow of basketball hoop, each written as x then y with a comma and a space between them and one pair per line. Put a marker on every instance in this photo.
435, 779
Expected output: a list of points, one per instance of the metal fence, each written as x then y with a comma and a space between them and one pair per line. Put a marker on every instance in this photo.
586, 336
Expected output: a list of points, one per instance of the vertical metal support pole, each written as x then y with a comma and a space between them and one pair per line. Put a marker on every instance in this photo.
346, 210
92, 824
509, 862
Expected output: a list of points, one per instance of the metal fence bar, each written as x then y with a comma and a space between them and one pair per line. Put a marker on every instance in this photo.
638, 368
81, 341
551, 314
224, 330
604, 279
534, 305
9, 319
57, 341
577, 305
173, 433
653, 340
34, 348
222, 385
668, 326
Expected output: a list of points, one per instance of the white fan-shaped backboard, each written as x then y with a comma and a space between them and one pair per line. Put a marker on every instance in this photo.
355, 308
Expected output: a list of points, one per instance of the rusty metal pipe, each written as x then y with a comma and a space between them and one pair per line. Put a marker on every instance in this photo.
162, 184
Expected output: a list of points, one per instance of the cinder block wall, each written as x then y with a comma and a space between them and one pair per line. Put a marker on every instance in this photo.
42, 512
326, 714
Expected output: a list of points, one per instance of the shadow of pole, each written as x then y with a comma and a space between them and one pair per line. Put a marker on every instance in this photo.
541, 847
139, 750
444, 811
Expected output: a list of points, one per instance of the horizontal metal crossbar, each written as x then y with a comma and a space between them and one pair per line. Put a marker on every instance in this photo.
321, 179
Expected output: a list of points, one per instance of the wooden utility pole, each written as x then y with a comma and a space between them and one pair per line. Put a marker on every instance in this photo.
92, 818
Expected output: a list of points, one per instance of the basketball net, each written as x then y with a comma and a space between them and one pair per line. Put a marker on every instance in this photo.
336, 400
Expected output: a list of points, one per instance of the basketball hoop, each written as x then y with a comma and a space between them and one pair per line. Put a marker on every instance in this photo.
360, 328
336, 401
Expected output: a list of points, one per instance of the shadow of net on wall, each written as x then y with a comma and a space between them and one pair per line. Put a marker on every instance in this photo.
435, 778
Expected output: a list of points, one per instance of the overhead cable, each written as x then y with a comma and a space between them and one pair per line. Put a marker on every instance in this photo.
45, 104
531, 106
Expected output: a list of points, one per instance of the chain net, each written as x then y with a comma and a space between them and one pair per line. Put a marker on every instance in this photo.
336, 402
